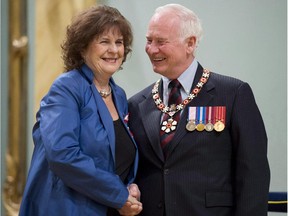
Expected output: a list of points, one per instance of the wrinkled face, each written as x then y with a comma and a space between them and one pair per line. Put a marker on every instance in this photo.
169, 53
105, 53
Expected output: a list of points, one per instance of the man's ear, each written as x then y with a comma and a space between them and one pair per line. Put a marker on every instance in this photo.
191, 44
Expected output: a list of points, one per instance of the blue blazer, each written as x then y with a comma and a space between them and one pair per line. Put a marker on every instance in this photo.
72, 170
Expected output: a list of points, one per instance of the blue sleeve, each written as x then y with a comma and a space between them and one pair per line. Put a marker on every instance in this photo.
60, 130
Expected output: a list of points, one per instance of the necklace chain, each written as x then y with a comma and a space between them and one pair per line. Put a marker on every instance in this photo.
171, 109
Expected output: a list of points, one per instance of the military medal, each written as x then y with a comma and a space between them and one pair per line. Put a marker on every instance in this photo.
200, 127
171, 124
191, 126
209, 126
219, 126
220, 114
200, 113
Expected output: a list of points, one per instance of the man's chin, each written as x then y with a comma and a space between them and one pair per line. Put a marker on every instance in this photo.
160, 72
157, 70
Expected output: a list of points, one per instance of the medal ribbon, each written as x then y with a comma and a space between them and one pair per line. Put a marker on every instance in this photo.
216, 116
192, 114
222, 114
200, 115
208, 114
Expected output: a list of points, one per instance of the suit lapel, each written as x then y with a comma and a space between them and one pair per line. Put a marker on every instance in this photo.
151, 121
202, 99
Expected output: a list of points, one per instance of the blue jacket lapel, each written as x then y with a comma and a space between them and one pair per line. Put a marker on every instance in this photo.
102, 109
119, 98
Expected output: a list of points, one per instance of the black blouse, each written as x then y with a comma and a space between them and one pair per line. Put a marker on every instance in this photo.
125, 155
125, 151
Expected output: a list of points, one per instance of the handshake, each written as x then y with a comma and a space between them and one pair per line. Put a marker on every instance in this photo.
133, 206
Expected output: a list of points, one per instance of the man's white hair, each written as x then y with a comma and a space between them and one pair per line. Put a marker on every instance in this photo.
190, 23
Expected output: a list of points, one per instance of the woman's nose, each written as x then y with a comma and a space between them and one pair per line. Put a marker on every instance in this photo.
113, 47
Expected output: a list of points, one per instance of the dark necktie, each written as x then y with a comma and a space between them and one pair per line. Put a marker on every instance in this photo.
174, 99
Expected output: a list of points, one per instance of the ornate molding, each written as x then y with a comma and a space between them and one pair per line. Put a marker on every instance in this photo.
17, 108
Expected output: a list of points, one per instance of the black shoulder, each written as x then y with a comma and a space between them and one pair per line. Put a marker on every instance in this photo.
224, 79
141, 95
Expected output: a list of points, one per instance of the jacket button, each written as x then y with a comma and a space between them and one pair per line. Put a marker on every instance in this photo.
160, 205
166, 171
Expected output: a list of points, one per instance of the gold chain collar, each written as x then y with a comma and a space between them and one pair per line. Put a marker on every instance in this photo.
172, 110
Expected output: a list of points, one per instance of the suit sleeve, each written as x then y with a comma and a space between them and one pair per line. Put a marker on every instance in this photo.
252, 174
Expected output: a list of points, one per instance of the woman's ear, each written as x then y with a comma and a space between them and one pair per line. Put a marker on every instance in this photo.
83, 55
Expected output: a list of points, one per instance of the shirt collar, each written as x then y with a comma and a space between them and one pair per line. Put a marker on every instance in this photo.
186, 78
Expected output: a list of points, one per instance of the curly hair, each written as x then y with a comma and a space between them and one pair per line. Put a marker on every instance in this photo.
89, 24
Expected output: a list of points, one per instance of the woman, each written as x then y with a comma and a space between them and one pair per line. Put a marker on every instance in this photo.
84, 159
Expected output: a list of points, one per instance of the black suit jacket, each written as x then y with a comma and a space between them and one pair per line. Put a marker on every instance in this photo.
206, 173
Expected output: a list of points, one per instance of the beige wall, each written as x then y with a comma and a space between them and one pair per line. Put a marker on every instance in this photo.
52, 17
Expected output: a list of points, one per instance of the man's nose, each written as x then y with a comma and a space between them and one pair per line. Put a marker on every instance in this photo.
152, 48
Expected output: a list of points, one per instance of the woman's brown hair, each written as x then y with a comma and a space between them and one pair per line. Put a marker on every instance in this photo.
89, 24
